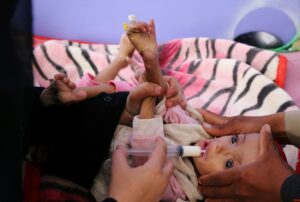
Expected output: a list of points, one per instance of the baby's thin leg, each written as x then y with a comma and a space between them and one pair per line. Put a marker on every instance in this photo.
112, 70
143, 38
148, 108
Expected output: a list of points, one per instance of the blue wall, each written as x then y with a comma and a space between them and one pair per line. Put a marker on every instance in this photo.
101, 21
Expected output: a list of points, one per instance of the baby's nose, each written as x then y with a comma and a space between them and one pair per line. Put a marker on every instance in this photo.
219, 148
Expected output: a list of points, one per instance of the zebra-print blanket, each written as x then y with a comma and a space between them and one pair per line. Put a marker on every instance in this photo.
223, 76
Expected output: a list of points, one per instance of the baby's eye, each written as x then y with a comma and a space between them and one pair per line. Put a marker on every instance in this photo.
234, 139
229, 164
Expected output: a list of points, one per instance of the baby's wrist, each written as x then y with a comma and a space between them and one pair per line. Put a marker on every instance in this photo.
122, 59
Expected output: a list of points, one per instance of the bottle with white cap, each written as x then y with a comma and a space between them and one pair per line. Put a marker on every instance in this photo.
132, 18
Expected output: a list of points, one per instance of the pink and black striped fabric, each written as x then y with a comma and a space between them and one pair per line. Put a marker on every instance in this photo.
223, 76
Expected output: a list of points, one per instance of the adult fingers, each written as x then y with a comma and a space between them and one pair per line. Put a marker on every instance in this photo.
176, 100
212, 118
266, 143
217, 191
119, 158
173, 88
221, 178
220, 200
144, 90
174, 93
217, 125
219, 130
138, 94
183, 102
159, 154
168, 169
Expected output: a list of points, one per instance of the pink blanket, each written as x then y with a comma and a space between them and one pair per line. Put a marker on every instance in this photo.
223, 76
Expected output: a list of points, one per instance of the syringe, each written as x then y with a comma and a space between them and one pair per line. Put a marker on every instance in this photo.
172, 150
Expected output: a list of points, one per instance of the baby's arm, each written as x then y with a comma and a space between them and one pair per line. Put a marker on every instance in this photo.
92, 91
121, 61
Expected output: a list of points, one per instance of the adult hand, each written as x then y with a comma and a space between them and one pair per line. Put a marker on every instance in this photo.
145, 183
220, 126
174, 94
138, 94
257, 181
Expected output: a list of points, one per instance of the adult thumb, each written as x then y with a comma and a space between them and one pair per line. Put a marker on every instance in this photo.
144, 90
266, 143
119, 158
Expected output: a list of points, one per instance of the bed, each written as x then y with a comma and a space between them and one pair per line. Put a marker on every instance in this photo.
230, 58
46, 27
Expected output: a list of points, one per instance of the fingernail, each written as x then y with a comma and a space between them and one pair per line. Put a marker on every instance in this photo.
158, 90
207, 125
169, 104
199, 182
267, 128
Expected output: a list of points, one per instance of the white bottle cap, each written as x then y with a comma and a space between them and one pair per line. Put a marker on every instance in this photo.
189, 151
131, 18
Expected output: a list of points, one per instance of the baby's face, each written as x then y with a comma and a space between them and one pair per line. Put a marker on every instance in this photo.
227, 152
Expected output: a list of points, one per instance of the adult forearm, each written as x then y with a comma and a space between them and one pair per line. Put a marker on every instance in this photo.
276, 121
285, 126
292, 126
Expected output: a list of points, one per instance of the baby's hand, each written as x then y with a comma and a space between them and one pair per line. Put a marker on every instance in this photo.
61, 91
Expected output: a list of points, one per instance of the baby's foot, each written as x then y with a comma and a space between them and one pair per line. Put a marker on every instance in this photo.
143, 38
61, 91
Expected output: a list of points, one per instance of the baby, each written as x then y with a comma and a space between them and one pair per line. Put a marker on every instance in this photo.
178, 126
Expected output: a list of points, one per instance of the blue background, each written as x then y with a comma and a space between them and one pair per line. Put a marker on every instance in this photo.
102, 21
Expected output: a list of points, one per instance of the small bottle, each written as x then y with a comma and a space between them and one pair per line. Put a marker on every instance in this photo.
132, 19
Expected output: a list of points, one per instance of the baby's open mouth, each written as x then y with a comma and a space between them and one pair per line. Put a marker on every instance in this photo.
204, 146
